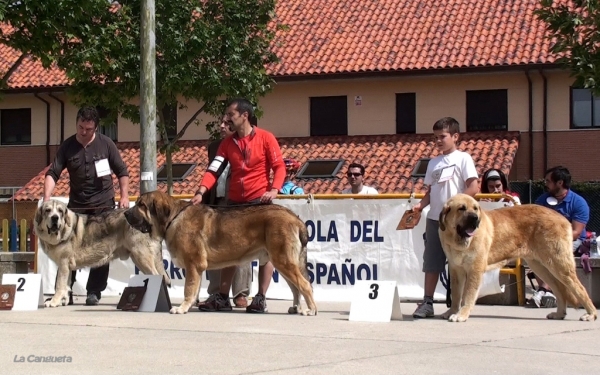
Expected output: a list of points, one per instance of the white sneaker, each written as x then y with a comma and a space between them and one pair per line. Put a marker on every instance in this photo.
537, 297
549, 300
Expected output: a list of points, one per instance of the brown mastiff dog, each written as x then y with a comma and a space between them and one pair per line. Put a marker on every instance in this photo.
475, 240
200, 238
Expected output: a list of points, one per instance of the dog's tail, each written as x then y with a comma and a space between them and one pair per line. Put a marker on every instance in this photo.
303, 236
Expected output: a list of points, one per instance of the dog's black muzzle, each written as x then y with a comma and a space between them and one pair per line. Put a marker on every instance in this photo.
469, 225
136, 221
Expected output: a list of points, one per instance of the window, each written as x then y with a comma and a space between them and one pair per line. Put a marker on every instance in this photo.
585, 109
108, 126
15, 126
320, 168
170, 116
487, 110
329, 115
180, 171
406, 113
421, 168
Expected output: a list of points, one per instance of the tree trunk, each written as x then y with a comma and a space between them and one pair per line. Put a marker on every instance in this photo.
169, 166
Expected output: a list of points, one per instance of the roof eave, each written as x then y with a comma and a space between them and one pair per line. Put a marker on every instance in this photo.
35, 89
413, 72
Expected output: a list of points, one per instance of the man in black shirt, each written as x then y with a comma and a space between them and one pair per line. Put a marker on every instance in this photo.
89, 158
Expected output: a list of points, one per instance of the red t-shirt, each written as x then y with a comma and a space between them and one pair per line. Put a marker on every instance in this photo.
251, 159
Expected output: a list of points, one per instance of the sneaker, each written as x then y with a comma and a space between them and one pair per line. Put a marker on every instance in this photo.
215, 302
424, 310
258, 305
537, 297
549, 300
92, 299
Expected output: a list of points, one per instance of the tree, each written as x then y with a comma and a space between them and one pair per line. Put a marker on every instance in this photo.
206, 51
574, 28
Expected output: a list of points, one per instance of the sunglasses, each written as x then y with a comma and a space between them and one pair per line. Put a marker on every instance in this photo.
349, 174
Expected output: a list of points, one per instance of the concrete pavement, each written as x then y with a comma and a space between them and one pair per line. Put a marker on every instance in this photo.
103, 340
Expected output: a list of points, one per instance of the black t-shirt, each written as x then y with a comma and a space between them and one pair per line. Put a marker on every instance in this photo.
86, 188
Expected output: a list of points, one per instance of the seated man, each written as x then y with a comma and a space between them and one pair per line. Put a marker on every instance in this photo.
356, 173
289, 187
571, 205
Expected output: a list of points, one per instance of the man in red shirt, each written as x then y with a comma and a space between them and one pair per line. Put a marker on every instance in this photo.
252, 153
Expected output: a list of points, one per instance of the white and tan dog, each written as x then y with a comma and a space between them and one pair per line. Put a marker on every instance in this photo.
75, 241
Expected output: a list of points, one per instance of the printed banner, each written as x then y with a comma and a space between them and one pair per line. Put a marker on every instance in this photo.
349, 240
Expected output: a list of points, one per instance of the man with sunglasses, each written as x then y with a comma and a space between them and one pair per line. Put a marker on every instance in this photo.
355, 175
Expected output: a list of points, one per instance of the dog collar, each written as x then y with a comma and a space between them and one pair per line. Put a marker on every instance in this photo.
175, 217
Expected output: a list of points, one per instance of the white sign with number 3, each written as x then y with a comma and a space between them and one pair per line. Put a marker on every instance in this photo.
375, 301
30, 293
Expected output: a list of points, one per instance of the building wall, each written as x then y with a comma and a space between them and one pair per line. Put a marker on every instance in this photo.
287, 114
19, 164
287, 107
22, 210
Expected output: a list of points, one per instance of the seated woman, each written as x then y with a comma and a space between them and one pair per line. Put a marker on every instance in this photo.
495, 182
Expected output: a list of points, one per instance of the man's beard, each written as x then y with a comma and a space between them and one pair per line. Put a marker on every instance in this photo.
554, 192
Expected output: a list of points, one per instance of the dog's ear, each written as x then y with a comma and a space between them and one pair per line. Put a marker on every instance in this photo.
443, 214
38, 215
160, 209
67, 218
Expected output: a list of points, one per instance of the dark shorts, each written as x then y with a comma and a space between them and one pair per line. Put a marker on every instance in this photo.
434, 258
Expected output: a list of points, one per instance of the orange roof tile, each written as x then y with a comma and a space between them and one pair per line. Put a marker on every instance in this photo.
388, 159
30, 73
341, 36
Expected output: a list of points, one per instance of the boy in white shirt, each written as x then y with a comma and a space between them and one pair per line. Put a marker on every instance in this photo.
448, 174
355, 175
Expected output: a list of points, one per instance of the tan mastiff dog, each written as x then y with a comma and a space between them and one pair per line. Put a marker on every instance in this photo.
475, 240
200, 238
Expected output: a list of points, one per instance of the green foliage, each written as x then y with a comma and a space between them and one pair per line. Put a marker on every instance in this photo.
206, 51
573, 27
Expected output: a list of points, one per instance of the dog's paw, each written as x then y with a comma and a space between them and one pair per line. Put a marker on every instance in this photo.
457, 318
293, 310
447, 314
555, 316
178, 310
308, 312
588, 317
52, 303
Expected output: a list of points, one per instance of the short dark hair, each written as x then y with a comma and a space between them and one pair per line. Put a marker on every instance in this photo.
560, 173
88, 113
448, 124
356, 165
242, 105
253, 120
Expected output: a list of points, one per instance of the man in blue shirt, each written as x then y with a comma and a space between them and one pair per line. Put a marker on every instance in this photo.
291, 168
572, 206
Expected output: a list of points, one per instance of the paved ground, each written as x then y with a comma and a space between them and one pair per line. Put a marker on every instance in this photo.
103, 340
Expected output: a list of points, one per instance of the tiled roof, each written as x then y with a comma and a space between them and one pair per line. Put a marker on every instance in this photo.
388, 159
341, 36
30, 73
